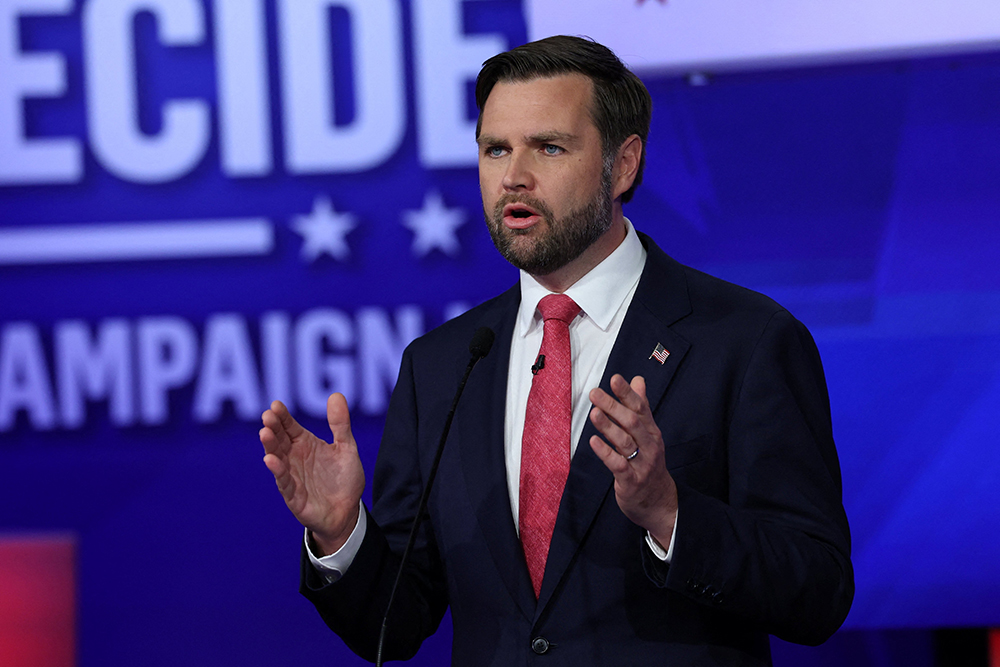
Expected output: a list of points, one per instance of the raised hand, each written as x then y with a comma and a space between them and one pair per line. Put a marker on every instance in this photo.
320, 482
644, 489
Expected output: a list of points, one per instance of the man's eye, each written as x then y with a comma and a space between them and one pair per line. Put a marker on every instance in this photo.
552, 149
495, 151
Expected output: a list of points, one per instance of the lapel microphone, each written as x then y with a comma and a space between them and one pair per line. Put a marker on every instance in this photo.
479, 347
538, 365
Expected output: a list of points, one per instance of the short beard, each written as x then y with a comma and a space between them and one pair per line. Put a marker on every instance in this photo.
566, 238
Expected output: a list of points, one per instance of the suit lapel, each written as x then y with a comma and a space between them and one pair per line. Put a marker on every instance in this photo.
482, 456
660, 300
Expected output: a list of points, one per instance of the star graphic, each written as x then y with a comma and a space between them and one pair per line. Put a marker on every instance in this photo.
324, 230
434, 226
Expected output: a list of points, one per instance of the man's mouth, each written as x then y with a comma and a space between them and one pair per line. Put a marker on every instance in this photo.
520, 216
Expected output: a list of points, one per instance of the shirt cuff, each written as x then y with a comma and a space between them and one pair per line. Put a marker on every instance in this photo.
665, 556
333, 566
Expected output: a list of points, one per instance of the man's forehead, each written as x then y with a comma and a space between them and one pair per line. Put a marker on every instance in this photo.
562, 81
538, 107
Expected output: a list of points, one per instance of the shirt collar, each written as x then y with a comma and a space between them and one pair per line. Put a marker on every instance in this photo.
600, 293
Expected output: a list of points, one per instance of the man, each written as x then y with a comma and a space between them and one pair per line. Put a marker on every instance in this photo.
646, 477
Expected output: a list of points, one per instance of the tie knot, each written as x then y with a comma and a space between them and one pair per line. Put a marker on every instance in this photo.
558, 307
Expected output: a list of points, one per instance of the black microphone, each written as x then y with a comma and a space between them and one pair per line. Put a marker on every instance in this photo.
481, 343
538, 365
479, 347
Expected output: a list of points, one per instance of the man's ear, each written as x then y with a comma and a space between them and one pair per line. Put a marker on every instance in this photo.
626, 166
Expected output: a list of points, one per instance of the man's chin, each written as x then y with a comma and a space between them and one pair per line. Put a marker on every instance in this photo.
529, 258
520, 259
514, 242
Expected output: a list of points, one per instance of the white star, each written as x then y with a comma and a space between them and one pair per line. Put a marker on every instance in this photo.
434, 226
324, 230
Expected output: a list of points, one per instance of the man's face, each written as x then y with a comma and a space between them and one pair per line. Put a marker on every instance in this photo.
546, 192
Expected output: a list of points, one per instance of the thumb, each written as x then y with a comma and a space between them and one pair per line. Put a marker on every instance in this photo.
339, 418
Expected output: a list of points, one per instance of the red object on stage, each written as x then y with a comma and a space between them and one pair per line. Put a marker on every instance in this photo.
37, 601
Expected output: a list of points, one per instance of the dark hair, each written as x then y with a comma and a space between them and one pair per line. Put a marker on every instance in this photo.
621, 106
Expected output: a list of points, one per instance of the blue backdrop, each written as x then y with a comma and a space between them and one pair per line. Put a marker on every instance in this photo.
204, 206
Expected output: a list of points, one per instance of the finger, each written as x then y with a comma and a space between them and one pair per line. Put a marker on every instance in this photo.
283, 478
625, 417
339, 418
276, 465
274, 454
280, 439
638, 385
272, 436
612, 460
266, 435
632, 395
620, 439
286, 422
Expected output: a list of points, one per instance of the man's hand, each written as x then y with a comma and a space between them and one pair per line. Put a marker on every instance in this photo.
644, 488
320, 482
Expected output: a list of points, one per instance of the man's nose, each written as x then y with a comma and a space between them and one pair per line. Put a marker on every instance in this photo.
519, 174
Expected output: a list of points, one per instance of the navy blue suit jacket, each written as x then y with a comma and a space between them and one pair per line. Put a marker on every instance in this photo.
762, 542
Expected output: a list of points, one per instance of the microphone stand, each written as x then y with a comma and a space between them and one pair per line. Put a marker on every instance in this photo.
480, 346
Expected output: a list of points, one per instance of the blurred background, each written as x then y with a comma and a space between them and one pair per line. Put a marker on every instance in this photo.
208, 204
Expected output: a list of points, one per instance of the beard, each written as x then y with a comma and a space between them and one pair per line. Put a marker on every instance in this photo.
565, 239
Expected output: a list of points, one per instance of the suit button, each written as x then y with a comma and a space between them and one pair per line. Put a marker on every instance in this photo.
540, 645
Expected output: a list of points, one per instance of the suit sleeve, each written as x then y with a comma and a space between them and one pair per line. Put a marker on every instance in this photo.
353, 606
776, 552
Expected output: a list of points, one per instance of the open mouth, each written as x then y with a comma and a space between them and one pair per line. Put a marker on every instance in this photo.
519, 216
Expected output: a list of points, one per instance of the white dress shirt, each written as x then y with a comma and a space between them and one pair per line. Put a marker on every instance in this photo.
603, 295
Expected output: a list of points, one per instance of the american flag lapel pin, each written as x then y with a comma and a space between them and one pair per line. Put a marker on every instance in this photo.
660, 353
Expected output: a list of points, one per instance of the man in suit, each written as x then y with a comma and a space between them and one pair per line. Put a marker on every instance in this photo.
677, 517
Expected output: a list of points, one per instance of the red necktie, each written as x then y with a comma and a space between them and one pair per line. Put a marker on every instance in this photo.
545, 444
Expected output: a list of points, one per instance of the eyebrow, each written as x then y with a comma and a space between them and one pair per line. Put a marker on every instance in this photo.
539, 138
551, 136
487, 140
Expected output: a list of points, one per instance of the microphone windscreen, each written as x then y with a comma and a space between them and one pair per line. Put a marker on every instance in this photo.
482, 342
